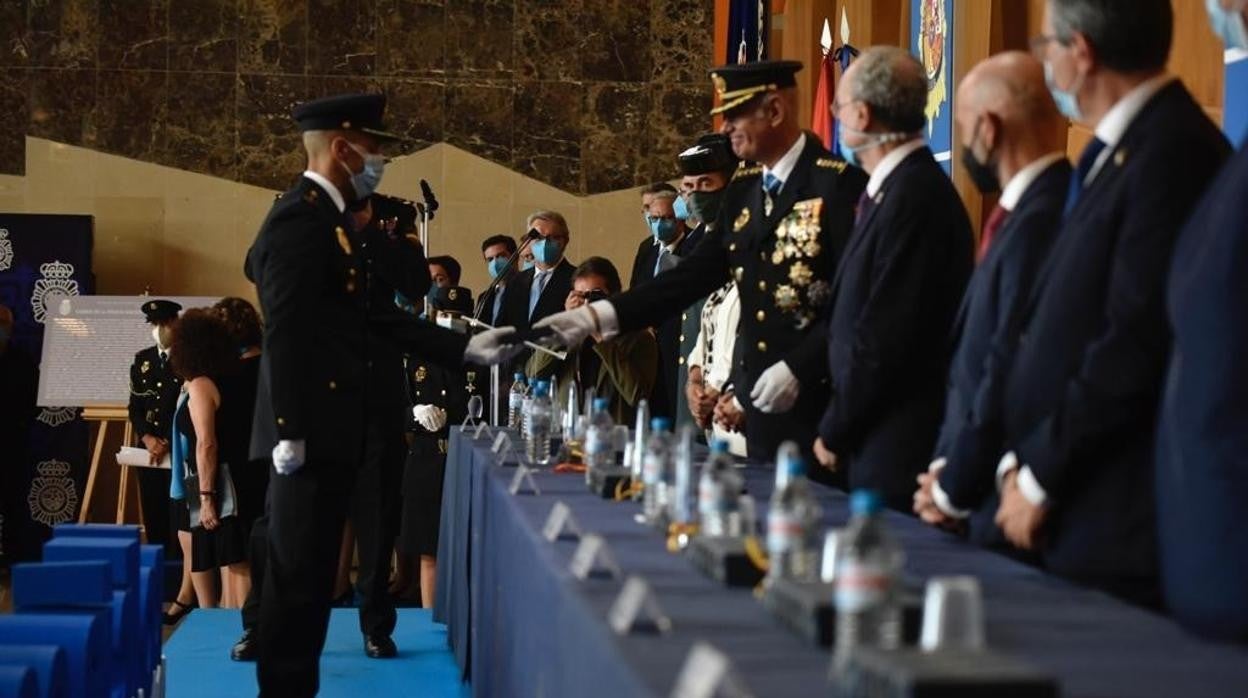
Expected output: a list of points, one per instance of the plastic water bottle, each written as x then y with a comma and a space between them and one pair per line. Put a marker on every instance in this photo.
537, 425
682, 500
719, 494
637, 450
656, 466
599, 441
792, 519
867, 590
515, 401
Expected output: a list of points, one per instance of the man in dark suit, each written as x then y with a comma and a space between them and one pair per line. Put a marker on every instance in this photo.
154, 390
780, 233
540, 291
1084, 387
310, 412
898, 286
496, 250
1014, 135
1202, 446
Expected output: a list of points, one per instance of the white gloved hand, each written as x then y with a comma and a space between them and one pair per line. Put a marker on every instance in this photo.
431, 417
573, 326
776, 390
288, 456
491, 347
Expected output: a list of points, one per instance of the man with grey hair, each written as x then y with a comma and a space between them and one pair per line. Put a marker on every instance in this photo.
540, 291
1083, 389
898, 287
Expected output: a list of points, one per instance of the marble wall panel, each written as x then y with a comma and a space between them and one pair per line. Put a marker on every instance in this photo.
203, 36
134, 34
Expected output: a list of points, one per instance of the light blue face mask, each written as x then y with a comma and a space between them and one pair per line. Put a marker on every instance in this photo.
663, 229
1067, 100
403, 303
681, 207
496, 266
366, 181
547, 251
526, 264
1228, 25
848, 152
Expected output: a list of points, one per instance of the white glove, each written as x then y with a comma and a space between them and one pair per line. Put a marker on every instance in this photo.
288, 456
431, 417
490, 347
573, 326
776, 390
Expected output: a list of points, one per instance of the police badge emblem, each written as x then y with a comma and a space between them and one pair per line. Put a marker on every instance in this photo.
743, 219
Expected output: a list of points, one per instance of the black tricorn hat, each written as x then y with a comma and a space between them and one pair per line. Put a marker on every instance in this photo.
713, 153
453, 299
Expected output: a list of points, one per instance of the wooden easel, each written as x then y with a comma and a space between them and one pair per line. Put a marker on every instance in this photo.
105, 415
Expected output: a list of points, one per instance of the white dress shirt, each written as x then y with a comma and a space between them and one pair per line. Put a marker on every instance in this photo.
784, 166
890, 163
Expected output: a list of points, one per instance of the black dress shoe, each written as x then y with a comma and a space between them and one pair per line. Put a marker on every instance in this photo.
380, 647
177, 611
246, 649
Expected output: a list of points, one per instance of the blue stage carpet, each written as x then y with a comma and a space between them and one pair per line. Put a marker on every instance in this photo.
198, 659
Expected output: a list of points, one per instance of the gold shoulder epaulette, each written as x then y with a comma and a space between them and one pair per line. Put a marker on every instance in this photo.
831, 164
747, 170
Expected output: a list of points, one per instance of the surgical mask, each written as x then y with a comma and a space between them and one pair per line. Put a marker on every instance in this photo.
526, 264
681, 207
663, 229
366, 181
983, 174
1228, 25
496, 266
403, 303
547, 251
1067, 100
704, 205
850, 153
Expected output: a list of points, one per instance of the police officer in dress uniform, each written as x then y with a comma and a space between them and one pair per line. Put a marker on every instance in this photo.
706, 168
779, 235
310, 412
153, 396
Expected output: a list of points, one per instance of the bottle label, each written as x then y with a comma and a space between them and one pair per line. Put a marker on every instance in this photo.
594, 443
861, 585
650, 468
783, 532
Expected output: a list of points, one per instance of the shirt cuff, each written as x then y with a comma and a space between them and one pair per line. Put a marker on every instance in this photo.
940, 498
1008, 463
1030, 487
608, 321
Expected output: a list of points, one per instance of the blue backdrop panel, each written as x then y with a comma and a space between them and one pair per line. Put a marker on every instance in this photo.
1235, 113
44, 464
931, 41
749, 23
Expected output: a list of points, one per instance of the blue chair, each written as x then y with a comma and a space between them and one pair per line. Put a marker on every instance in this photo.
127, 531
121, 554
151, 594
48, 663
84, 637
17, 682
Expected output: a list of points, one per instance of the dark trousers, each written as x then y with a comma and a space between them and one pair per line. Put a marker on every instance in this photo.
307, 510
374, 516
257, 542
154, 496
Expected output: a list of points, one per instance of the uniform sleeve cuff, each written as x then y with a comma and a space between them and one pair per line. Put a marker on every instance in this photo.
1030, 487
608, 321
1008, 463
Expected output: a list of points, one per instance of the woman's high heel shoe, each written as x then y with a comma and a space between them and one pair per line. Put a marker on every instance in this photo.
179, 611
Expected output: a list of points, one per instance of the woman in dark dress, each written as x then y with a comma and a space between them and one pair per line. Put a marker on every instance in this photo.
206, 358
251, 477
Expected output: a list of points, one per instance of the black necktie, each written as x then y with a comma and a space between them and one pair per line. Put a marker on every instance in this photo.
1086, 161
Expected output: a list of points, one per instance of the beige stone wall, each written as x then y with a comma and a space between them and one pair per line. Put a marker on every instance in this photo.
183, 233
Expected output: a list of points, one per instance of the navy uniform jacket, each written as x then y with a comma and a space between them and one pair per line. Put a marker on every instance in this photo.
1202, 452
154, 393
985, 332
897, 291
1084, 387
311, 282
668, 387
430, 384
783, 262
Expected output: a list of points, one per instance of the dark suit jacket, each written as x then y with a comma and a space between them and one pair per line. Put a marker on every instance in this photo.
896, 293
154, 390
663, 398
1083, 390
487, 302
783, 263
516, 300
1202, 452
986, 329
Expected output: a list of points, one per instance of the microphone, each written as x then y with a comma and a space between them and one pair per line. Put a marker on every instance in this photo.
431, 203
533, 234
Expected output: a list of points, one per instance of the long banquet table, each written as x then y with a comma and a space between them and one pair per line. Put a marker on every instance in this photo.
520, 624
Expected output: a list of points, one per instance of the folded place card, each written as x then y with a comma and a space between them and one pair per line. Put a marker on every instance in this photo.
483, 429
708, 672
523, 478
637, 608
593, 557
502, 445
561, 524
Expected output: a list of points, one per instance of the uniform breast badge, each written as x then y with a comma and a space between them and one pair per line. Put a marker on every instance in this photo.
800, 274
343, 242
420, 374
147, 366
786, 298
743, 219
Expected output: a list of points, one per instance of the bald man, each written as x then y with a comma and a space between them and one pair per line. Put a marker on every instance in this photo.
898, 287
1012, 134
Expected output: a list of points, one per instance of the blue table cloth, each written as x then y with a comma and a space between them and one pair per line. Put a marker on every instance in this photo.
521, 624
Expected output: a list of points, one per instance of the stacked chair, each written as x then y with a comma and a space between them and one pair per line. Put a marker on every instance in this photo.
87, 620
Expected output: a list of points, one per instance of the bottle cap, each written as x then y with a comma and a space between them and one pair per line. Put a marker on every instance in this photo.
719, 446
541, 387
865, 502
794, 466
660, 424
601, 404
519, 377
